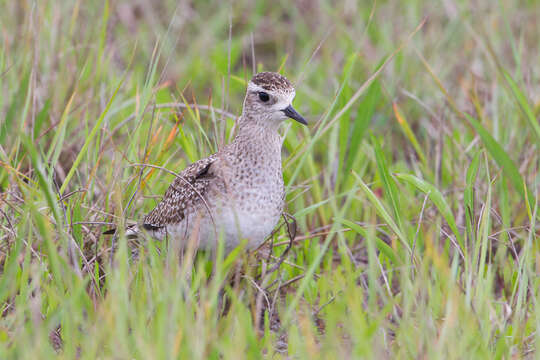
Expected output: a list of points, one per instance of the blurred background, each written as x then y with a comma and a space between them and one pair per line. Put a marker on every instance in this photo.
207, 50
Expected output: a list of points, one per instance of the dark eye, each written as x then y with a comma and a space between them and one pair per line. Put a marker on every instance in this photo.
264, 96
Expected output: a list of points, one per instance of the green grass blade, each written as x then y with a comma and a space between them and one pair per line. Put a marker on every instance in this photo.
524, 106
389, 185
366, 109
45, 187
58, 141
381, 245
406, 128
501, 158
89, 139
381, 210
41, 118
439, 201
468, 194
13, 111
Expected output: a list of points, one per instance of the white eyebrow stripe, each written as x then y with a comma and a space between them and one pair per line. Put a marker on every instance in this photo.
283, 102
254, 87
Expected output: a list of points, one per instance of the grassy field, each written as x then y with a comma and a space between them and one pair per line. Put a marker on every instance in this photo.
415, 186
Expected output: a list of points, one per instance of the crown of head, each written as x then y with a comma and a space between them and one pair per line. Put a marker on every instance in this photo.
269, 99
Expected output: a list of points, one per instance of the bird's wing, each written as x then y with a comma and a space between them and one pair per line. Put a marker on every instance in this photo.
186, 191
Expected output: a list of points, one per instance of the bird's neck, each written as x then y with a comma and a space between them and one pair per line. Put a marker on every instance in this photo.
260, 139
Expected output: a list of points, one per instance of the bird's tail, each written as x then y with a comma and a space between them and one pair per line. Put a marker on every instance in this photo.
132, 231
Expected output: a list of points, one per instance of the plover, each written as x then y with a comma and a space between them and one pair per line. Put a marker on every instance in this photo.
236, 193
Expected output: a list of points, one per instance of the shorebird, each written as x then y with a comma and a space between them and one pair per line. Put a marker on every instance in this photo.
236, 193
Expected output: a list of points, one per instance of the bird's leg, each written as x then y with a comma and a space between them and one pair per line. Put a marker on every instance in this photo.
290, 222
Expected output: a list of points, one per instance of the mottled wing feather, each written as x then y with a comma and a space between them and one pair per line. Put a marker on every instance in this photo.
183, 194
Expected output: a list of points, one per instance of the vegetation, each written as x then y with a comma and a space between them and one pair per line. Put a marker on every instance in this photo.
415, 186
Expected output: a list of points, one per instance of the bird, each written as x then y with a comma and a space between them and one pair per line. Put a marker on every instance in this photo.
237, 193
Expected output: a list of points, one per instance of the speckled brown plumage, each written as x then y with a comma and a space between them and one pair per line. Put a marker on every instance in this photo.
236, 193
272, 81
186, 191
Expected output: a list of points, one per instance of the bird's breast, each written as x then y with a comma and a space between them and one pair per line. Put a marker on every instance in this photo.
251, 205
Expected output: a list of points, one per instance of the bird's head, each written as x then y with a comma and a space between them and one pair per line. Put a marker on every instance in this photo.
269, 99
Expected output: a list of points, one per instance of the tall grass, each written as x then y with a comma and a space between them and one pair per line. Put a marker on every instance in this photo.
415, 186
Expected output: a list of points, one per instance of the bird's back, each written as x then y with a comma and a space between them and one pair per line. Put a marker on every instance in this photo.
186, 193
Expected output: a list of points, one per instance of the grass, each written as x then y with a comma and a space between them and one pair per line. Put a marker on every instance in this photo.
415, 186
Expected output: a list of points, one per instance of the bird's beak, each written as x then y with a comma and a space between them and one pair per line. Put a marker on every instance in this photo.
293, 114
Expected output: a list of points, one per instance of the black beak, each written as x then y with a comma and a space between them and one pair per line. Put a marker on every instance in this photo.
293, 114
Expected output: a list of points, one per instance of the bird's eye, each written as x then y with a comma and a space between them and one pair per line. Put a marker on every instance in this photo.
264, 96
